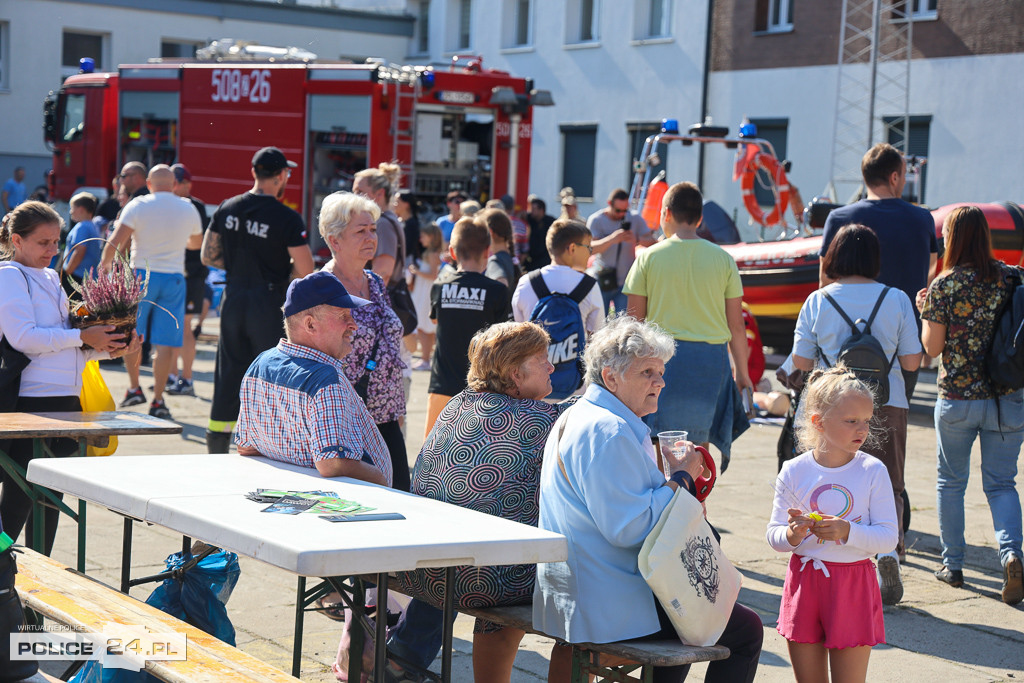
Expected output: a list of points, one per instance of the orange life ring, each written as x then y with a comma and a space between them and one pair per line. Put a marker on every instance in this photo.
778, 175
652, 204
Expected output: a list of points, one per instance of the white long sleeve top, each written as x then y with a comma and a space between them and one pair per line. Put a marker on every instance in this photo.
860, 492
34, 319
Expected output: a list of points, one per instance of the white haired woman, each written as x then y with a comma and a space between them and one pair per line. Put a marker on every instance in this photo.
348, 224
601, 488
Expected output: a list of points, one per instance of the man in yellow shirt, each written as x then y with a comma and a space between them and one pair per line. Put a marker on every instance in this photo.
692, 289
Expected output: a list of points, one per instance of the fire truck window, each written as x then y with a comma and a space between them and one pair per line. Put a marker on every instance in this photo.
339, 131
74, 118
149, 127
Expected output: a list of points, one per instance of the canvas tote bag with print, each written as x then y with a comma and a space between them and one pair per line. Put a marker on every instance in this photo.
692, 578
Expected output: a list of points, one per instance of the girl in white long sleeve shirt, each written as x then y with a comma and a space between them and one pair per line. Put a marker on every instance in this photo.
34, 320
833, 510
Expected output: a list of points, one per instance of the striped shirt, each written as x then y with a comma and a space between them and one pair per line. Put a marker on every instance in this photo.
298, 406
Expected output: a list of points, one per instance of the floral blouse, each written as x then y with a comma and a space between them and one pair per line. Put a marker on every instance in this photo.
967, 306
385, 398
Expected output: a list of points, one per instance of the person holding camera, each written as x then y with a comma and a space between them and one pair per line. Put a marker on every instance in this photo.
616, 231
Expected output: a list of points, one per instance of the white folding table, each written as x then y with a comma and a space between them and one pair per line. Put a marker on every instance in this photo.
202, 496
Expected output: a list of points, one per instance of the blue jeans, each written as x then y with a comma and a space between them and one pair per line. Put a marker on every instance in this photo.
618, 297
957, 424
418, 637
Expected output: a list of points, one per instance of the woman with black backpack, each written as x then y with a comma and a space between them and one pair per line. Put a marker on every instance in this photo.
869, 327
959, 313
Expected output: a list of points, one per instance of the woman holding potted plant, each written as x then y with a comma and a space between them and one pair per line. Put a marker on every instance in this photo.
35, 321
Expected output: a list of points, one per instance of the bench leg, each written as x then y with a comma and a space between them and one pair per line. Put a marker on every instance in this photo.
126, 555
380, 650
586, 662
300, 596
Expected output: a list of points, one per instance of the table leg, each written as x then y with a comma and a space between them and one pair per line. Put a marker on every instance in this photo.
126, 555
38, 509
186, 546
81, 535
300, 612
449, 625
380, 650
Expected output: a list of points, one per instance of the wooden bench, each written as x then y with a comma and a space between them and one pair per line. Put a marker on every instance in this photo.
67, 597
646, 654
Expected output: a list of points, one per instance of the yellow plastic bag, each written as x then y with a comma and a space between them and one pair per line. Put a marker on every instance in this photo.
96, 398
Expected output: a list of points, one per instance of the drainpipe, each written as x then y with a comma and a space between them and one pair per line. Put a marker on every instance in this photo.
706, 77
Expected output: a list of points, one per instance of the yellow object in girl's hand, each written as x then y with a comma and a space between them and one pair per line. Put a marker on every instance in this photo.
815, 516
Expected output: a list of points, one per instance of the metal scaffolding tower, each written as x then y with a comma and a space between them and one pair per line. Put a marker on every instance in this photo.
873, 88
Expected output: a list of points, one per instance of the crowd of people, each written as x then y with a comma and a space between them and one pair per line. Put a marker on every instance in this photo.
313, 367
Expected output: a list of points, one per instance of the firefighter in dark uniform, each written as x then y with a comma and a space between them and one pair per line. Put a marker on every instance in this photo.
261, 244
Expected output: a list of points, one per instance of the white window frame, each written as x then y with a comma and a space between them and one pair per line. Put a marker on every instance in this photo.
645, 13
421, 33
919, 9
574, 22
69, 70
5, 56
784, 8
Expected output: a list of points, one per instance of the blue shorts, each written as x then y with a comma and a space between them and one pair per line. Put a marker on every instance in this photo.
160, 327
701, 397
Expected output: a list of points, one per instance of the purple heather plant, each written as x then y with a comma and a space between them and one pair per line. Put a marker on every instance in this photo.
114, 293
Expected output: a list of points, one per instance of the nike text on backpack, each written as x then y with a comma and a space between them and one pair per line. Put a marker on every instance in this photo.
863, 354
1005, 359
560, 315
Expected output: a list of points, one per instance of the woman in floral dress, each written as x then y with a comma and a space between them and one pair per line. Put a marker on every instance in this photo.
958, 314
484, 453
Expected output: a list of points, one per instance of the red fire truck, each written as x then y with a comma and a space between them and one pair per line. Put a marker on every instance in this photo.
464, 127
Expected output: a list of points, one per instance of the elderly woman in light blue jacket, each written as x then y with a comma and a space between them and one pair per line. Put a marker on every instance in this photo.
601, 487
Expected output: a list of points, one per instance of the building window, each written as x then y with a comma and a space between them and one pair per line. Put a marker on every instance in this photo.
4, 56
653, 19
638, 134
579, 146
917, 146
176, 49
422, 36
75, 46
517, 23
774, 16
774, 131
582, 21
918, 9
465, 14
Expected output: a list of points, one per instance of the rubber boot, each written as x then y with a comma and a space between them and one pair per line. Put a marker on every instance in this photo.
11, 617
218, 442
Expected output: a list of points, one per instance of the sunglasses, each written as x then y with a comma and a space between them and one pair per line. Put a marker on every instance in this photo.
588, 247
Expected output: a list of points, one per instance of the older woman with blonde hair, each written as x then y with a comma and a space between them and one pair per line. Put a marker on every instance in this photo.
348, 224
484, 453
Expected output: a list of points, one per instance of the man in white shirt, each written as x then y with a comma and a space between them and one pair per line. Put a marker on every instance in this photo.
161, 226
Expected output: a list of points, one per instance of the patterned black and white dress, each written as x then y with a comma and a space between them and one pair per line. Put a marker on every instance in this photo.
484, 454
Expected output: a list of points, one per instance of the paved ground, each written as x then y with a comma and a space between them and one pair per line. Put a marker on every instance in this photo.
936, 633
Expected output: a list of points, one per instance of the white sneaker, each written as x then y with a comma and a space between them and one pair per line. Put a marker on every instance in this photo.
889, 581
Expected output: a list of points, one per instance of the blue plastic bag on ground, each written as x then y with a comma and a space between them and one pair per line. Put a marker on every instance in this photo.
199, 597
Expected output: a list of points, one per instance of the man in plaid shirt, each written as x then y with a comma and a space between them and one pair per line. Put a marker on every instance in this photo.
297, 404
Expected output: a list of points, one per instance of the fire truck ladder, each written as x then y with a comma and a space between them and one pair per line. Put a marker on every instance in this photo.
875, 48
404, 83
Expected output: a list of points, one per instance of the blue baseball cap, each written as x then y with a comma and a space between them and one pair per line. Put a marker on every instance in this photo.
317, 289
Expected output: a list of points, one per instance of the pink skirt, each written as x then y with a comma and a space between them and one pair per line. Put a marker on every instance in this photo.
834, 603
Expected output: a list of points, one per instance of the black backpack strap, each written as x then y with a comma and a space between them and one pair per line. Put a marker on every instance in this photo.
874, 311
540, 288
853, 325
580, 291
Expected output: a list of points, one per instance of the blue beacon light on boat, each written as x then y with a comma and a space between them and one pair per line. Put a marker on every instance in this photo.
670, 126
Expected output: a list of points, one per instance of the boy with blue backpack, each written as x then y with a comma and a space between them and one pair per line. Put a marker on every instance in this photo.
565, 301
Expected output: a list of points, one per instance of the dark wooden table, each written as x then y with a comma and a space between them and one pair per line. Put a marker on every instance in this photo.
88, 429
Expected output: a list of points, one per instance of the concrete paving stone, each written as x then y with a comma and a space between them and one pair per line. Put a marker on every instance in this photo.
938, 633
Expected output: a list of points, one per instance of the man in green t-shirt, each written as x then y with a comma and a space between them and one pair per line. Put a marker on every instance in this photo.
692, 289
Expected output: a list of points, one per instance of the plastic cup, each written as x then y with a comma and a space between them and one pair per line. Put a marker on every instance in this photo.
667, 441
